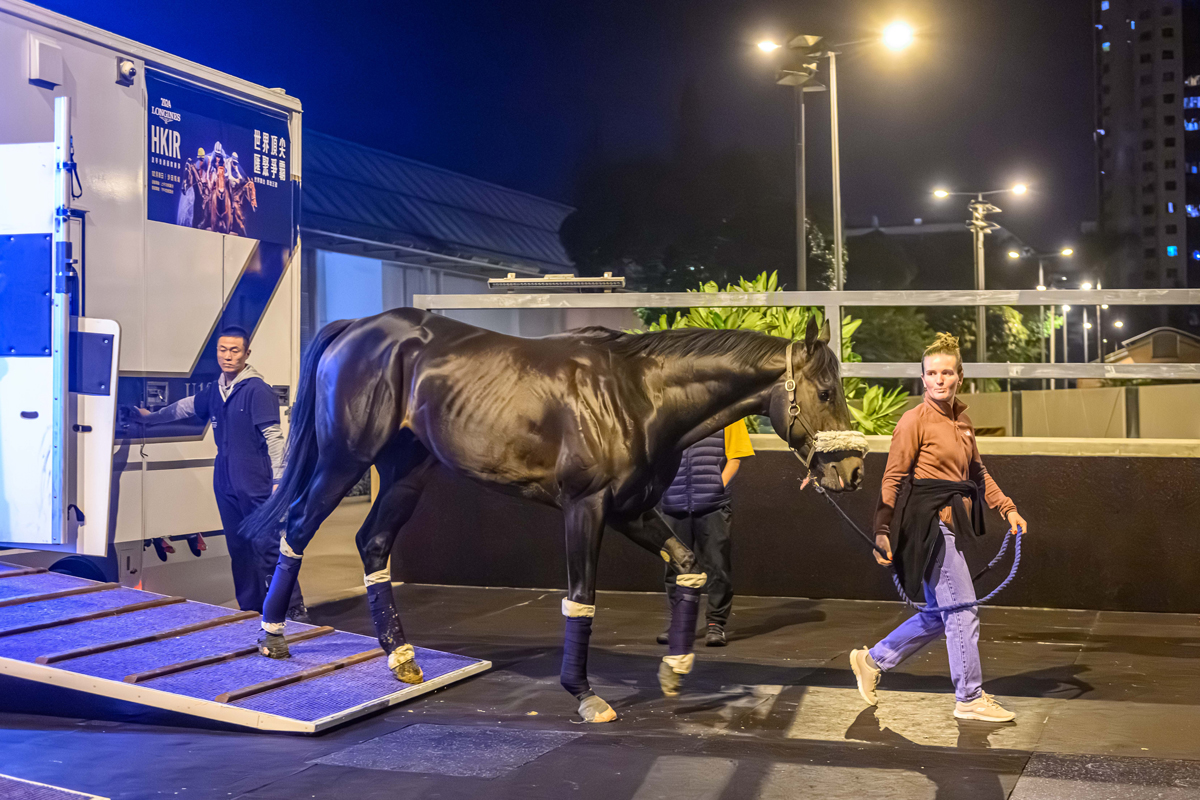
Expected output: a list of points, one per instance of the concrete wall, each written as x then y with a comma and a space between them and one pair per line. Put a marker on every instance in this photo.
991, 410
1169, 411
1105, 533
1084, 413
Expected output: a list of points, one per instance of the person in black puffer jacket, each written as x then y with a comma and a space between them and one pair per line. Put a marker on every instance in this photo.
697, 507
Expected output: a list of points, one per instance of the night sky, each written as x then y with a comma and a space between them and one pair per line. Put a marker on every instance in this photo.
519, 92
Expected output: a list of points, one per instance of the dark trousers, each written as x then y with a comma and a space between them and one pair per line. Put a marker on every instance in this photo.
708, 537
253, 562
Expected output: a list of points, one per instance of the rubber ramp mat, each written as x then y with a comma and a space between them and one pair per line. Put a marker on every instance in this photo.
197, 659
17, 789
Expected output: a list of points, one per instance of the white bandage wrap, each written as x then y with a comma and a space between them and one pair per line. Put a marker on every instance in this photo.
681, 665
573, 609
839, 441
382, 576
273, 627
695, 580
286, 549
401, 655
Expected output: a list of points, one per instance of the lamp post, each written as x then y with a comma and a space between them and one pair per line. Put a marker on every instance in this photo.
980, 226
802, 78
1066, 349
1047, 338
896, 36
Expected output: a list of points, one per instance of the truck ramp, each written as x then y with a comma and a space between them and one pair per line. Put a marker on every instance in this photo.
197, 659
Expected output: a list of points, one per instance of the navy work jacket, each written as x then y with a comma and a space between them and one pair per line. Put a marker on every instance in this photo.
243, 464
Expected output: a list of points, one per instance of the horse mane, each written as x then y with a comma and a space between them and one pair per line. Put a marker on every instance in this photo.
742, 345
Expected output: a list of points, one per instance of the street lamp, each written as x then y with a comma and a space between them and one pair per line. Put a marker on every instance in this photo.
980, 227
896, 36
1029, 252
801, 76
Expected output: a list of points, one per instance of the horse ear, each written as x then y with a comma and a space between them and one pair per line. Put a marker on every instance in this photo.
810, 333
824, 335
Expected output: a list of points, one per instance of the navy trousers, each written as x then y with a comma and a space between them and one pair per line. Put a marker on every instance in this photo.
708, 537
253, 562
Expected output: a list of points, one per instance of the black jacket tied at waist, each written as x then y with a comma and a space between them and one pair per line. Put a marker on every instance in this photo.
915, 534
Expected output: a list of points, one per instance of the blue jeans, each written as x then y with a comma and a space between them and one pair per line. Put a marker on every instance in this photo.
947, 582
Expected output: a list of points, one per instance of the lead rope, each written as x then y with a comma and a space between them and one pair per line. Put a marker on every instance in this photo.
926, 608
794, 417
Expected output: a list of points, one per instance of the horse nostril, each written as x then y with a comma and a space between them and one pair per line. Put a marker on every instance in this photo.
856, 477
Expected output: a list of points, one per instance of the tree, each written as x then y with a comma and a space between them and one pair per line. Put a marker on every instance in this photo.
874, 410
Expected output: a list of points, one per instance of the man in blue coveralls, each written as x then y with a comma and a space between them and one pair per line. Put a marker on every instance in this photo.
244, 412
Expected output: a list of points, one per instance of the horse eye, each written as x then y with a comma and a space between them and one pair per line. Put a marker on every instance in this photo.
824, 395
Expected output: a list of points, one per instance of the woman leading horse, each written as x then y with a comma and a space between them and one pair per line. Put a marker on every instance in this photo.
591, 421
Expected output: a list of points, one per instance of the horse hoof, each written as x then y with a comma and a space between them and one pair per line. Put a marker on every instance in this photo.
273, 645
670, 680
593, 709
408, 672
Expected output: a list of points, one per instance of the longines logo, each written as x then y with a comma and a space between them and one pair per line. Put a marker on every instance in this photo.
163, 112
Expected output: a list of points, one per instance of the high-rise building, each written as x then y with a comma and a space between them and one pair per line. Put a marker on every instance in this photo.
1147, 56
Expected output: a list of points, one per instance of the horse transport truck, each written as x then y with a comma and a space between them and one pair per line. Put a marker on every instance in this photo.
146, 202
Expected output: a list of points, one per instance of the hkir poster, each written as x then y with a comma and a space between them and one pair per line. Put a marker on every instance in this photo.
217, 164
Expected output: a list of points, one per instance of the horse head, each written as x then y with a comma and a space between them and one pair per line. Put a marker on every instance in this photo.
808, 410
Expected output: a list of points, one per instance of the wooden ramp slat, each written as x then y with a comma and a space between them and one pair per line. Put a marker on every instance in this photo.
16, 573
296, 677
196, 663
38, 598
182, 630
108, 612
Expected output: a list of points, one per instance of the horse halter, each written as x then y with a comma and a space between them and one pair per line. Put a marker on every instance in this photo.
824, 441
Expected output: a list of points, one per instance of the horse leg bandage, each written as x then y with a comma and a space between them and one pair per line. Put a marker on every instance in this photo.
573, 676
283, 582
384, 615
684, 610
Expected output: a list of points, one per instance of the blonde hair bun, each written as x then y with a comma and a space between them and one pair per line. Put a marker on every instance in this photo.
944, 344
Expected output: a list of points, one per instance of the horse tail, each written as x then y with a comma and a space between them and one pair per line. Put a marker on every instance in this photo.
302, 439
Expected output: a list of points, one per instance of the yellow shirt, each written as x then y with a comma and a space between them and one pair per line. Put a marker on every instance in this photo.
737, 440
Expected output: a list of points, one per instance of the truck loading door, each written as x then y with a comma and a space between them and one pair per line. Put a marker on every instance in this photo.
57, 371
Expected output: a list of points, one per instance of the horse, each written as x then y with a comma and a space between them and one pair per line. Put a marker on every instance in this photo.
243, 191
592, 421
218, 213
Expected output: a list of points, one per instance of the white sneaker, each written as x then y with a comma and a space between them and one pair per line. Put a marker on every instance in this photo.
985, 709
866, 675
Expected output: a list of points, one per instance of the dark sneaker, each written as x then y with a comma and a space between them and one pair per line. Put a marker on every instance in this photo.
299, 613
715, 637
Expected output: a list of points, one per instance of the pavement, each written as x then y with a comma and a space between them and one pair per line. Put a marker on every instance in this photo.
1106, 706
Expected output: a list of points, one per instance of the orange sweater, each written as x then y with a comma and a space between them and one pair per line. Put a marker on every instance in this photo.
931, 441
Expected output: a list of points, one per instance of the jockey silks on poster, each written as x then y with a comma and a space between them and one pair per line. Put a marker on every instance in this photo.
215, 163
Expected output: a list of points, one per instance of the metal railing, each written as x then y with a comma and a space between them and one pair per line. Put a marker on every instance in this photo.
835, 302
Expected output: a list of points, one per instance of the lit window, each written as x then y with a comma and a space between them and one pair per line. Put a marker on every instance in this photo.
1132, 24
1106, 46
1170, 208
1104, 5
1192, 102
1196, 255
1172, 250
1100, 131
1191, 124
1193, 210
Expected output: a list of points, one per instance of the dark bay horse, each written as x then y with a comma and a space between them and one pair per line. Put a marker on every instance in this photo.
592, 421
